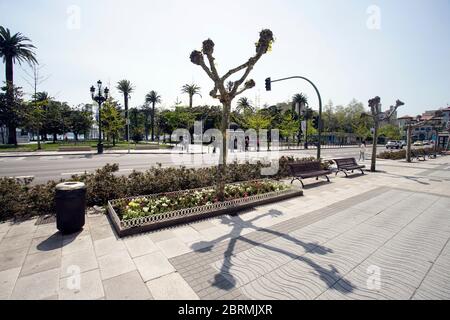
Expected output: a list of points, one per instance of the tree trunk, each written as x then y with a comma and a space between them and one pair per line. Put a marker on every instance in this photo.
306, 134
153, 121
408, 143
54, 138
221, 179
125, 97
190, 101
12, 137
38, 139
374, 147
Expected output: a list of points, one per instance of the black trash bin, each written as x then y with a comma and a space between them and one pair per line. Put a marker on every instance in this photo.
70, 206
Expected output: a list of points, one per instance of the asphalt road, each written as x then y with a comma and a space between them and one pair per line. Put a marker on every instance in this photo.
44, 168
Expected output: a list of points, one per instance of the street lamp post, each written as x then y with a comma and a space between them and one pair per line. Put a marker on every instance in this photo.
99, 97
268, 88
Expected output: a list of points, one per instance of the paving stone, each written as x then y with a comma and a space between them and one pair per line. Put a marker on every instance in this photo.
16, 242
37, 286
89, 287
115, 264
171, 287
153, 265
41, 261
161, 235
53, 242
97, 220
2, 235
45, 230
84, 260
4, 227
128, 286
187, 234
101, 232
199, 226
7, 281
172, 247
19, 229
76, 243
12, 259
108, 245
139, 245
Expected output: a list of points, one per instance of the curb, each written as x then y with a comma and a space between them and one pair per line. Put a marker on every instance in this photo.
89, 154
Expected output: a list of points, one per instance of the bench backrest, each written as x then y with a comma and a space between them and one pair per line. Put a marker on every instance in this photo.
345, 162
310, 166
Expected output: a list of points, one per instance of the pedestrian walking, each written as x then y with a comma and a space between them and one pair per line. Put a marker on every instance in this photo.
362, 151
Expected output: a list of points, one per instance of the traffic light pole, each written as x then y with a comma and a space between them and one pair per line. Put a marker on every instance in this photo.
320, 105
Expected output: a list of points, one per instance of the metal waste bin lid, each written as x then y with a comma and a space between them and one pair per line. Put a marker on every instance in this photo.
67, 186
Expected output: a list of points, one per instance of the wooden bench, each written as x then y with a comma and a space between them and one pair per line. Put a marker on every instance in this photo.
74, 148
348, 164
304, 170
417, 155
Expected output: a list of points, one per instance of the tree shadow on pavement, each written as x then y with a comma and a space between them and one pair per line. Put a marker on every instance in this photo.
226, 281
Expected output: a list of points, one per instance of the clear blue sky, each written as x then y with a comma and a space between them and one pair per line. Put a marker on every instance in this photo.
149, 42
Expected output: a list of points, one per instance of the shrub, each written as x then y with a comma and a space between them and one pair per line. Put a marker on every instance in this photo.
13, 198
21, 199
393, 155
401, 154
103, 185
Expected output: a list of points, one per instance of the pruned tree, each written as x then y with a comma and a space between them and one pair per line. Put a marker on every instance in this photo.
226, 90
378, 116
34, 79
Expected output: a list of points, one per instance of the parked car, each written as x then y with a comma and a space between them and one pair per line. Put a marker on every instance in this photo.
403, 143
426, 142
418, 144
394, 144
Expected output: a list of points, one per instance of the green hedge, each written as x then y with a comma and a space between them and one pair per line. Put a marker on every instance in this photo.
401, 154
21, 199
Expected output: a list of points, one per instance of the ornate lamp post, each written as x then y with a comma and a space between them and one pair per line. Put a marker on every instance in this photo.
99, 97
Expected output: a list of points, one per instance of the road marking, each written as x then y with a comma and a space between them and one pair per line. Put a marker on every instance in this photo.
73, 173
126, 170
19, 158
50, 158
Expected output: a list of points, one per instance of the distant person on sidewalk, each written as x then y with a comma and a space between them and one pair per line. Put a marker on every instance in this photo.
362, 151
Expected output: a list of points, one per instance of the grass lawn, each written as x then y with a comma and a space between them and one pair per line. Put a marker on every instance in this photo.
50, 146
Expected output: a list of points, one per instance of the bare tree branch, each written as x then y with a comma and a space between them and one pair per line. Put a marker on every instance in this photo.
248, 85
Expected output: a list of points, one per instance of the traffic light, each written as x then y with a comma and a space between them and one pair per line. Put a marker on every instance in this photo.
315, 122
268, 84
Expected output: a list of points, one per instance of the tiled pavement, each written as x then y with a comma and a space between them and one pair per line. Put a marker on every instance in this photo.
378, 236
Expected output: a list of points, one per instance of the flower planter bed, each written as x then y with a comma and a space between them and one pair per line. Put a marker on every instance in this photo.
144, 213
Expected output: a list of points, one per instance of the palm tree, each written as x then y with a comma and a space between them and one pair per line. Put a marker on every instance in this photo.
191, 90
125, 87
301, 100
244, 106
153, 98
14, 48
